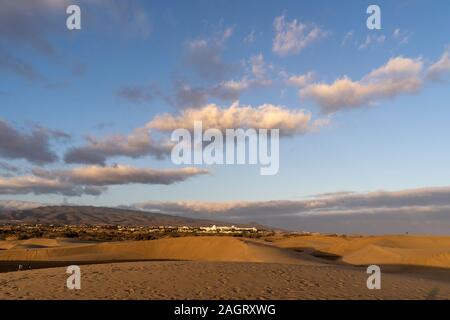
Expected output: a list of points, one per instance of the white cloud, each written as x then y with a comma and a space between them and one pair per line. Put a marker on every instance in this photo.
291, 37
440, 68
399, 75
38, 185
302, 80
401, 36
91, 180
19, 205
347, 37
232, 89
424, 210
256, 76
268, 116
119, 175
258, 66
204, 56
227, 33
371, 40
137, 144
250, 38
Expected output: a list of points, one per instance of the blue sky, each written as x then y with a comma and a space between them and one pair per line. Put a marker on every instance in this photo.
124, 67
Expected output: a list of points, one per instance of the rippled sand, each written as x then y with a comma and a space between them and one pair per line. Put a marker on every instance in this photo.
231, 268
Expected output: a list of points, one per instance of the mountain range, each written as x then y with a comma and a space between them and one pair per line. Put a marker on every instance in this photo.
16, 212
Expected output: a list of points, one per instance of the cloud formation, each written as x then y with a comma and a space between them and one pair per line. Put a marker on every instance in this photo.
401, 36
266, 116
250, 37
19, 67
291, 37
138, 94
137, 144
398, 76
33, 147
425, 210
26, 22
438, 70
204, 56
301, 80
371, 40
37, 185
33, 24
9, 167
232, 89
119, 175
18, 205
91, 180
187, 96
347, 38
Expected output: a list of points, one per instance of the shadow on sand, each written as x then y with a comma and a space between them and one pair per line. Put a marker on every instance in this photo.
11, 266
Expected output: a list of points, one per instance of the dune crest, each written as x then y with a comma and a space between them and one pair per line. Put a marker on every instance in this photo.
185, 248
427, 251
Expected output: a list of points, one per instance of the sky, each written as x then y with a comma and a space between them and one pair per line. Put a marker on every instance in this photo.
85, 115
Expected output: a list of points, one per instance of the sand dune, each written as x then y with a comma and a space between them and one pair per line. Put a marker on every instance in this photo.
35, 243
228, 268
186, 248
428, 251
383, 250
216, 280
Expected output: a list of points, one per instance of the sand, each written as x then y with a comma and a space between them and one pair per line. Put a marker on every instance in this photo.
215, 280
233, 268
186, 248
426, 251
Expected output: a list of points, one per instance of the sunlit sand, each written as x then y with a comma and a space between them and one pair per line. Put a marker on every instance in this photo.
295, 267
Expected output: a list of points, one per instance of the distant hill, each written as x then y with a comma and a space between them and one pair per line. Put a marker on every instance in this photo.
18, 205
77, 215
